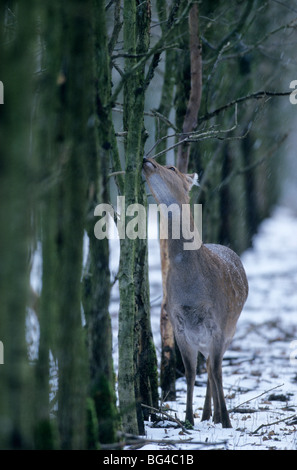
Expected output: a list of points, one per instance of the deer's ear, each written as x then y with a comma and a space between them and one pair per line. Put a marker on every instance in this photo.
192, 180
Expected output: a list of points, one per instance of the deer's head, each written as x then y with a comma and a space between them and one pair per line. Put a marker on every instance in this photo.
167, 184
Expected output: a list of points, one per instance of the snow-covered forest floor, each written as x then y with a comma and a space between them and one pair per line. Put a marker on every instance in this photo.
260, 367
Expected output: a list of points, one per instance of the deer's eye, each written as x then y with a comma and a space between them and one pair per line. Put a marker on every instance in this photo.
171, 168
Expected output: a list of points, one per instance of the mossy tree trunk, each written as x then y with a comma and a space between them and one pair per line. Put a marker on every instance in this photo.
17, 169
134, 296
72, 355
48, 128
97, 282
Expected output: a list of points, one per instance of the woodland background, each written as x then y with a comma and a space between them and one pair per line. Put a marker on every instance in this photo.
90, 87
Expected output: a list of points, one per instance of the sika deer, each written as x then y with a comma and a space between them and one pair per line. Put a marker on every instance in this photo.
206, 291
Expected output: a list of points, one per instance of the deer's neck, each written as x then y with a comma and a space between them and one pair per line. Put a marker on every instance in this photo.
182, 234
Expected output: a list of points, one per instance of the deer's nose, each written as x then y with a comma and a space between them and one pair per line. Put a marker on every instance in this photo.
148, 162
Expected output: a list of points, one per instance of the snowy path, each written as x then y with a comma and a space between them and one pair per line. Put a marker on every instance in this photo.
260, 367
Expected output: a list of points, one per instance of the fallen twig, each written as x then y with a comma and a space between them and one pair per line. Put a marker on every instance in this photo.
168, 416
136, 442
254, 398
274, 422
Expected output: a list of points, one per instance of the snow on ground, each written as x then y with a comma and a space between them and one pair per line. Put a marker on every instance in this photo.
260, 367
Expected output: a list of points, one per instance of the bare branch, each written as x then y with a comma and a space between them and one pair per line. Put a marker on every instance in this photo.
117, 26
137, 442
253, 165
239, 25
163, 118
210, 76
158, 47
257, 95
274, 422
286, 6
195, 137
258, 396
116, 173
292, 24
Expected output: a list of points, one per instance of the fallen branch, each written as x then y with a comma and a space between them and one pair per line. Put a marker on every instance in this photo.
136, 442
274, 422
168, 416
254, 398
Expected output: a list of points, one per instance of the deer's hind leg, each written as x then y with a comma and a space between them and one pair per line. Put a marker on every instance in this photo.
215, 375
207, 402
189, 357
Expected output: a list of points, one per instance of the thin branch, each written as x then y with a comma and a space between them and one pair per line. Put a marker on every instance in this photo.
286, 6
118, 69
190, 119
116, 173
137, 442
159, 46
151, 71
258, 396
211, 74
117, 26
239, 25
292, 24
153, 113
274, 422
163, 118
109, 5
195, 137
121, 134
168, 416
126, 55
250, 167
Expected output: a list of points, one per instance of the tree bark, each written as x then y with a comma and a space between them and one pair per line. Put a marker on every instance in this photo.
191, 116
72, 354
134, 296
17, 200
97, 274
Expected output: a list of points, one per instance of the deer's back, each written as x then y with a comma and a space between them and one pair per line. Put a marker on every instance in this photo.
232, 267
206, 296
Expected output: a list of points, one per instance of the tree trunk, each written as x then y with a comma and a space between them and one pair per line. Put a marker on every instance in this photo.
145, 354
17, 199
49, 164
97, 275
72, 358
134, 297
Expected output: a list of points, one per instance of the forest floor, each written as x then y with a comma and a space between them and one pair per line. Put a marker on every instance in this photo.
260, 366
